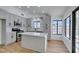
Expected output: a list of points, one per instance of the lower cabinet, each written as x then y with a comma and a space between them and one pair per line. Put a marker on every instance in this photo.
10, 37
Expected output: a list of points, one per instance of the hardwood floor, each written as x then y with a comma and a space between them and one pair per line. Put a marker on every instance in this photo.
56, 47
53, 47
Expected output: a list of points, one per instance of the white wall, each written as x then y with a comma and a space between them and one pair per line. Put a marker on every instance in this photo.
2, 16
3, 27
68, 42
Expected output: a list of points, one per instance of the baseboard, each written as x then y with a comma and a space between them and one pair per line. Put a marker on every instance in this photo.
10, 43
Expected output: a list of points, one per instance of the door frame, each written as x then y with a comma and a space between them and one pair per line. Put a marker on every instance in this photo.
74, 29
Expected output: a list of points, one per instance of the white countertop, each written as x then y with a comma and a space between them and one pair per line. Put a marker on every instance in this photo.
34, 34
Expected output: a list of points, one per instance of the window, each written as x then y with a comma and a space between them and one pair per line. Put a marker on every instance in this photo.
57, 27
68, 27
36, 24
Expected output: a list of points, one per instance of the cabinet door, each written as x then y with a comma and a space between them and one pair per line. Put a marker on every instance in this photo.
13, 37
8, 38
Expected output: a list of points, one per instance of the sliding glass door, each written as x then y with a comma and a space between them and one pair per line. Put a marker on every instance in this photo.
77, 32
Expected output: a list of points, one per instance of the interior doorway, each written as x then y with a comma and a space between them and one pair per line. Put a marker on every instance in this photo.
2, 31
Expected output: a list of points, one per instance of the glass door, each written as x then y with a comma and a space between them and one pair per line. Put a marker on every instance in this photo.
75, 30
77, 33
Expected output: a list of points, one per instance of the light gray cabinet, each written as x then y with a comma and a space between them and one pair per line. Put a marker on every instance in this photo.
11, 37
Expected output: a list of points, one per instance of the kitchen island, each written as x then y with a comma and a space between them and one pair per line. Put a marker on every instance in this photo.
35, 41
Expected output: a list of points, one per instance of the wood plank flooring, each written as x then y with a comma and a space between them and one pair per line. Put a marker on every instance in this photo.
53, 47
56, 47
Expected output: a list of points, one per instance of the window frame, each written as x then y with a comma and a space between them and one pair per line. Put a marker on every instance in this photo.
69, 27
57, 27
36, 25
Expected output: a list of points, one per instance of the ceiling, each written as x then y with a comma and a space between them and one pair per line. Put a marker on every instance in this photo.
30, 11
51, 10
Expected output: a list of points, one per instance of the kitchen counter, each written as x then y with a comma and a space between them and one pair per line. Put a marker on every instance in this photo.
34, 34
35, 41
